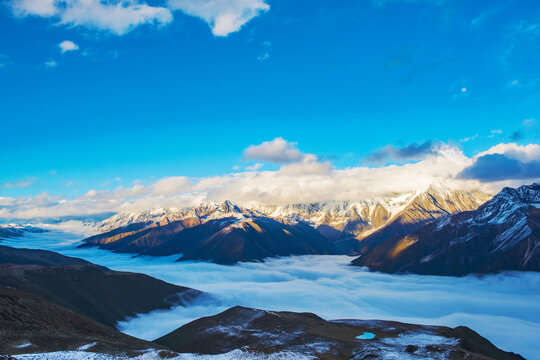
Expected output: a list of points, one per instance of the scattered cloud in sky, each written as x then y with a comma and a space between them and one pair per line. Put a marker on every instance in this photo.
254, 167
50, 63
484, 16
121, 16
18, 184
278, 151
117, 17
3, 60
68, 45
402, 154
266, 54
223, 16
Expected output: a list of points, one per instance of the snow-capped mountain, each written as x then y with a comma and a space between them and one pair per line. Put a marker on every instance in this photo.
334, 219
15, 230
502, 234
227, 232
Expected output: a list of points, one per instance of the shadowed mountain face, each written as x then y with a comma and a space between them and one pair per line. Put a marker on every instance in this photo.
94, 291
225, 241
307, 334
502, 234
29, 323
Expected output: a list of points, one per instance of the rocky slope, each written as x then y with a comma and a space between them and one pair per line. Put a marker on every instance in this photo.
94, 291
502, 234
305, 334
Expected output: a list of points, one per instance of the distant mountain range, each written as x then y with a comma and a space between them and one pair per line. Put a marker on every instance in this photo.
502, 234
14, 230
227, 233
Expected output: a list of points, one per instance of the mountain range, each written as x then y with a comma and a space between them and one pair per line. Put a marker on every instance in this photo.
502, 234
227, 233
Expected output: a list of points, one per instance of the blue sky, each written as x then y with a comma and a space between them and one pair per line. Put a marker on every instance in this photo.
186, 95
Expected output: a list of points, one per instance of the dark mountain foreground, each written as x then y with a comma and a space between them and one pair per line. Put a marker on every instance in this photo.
94, 291
29, 324
503, 234
305, 334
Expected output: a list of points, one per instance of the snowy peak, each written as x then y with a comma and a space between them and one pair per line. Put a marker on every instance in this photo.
332, 218
502, 234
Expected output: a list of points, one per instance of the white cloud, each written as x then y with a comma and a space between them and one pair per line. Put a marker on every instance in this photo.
44, 8
278, 151
306, 179
254, 167
67, 45
116, 16
51, 64
223, 16
172, 185
121, 16
525, 153
264, 56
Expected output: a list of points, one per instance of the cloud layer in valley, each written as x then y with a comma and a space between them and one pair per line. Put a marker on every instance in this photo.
504, 308
301, 178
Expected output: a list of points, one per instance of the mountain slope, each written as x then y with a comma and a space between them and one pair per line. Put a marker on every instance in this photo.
436, 201
307, 334
29, 323
502, 234
225, 240
94, 291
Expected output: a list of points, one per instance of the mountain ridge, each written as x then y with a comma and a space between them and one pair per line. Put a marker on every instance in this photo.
503, 234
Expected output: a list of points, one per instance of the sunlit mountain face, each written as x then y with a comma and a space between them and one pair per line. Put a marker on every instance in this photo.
261, 179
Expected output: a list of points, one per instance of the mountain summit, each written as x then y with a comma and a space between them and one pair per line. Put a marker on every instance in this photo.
502, 234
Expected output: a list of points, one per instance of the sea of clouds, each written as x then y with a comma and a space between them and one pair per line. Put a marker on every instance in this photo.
504, 308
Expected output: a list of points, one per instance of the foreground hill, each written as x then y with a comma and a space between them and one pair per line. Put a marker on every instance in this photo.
94, 291
502, 234
29, 323
305, 335
227, 233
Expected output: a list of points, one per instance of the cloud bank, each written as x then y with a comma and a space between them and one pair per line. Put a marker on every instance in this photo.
300, 178
121, 16
404, 153
505, 161
504, 308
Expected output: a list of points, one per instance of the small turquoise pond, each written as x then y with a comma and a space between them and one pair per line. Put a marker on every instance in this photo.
366, 336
